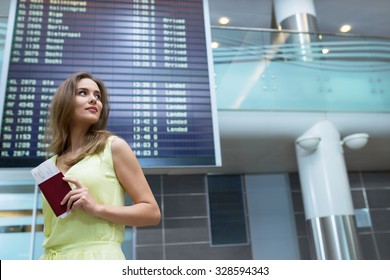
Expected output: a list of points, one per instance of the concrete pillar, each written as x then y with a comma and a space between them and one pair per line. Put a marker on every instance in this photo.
326, 194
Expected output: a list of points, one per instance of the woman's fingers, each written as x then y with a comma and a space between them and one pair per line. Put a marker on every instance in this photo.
77, 197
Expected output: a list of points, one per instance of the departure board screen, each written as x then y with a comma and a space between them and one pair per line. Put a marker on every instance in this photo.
152, 55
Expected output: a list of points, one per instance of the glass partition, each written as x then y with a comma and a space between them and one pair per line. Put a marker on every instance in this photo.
273, 70
21, 223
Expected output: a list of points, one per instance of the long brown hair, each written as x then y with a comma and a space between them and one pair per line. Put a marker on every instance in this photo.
60, 114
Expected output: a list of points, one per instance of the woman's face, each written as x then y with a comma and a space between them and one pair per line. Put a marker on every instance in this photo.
88, 106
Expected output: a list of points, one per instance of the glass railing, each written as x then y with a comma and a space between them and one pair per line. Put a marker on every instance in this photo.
289, 71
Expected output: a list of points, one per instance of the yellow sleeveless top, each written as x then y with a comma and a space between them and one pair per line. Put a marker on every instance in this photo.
79, 235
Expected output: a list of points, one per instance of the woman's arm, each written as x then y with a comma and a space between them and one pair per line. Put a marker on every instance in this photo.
143, 212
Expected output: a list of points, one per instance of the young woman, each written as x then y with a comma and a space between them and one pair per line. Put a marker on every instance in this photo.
101, 168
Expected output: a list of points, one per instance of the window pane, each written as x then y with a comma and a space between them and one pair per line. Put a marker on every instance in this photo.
227, 211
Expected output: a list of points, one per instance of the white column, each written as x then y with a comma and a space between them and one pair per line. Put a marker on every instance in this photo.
300, 16
326, 193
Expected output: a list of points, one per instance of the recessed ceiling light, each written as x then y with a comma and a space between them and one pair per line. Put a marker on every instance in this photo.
345, 28
325, 50
214, 45
224, 20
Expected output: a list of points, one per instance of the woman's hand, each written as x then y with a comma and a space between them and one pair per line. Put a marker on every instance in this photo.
79, 198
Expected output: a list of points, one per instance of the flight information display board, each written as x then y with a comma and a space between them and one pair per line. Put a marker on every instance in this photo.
153, 56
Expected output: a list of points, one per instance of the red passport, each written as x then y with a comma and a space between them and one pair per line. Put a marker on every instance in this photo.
54, 189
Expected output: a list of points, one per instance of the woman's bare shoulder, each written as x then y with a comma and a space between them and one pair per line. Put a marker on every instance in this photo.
120, 146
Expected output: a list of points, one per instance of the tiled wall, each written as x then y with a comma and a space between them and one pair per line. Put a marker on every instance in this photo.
184, 231
371, 199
